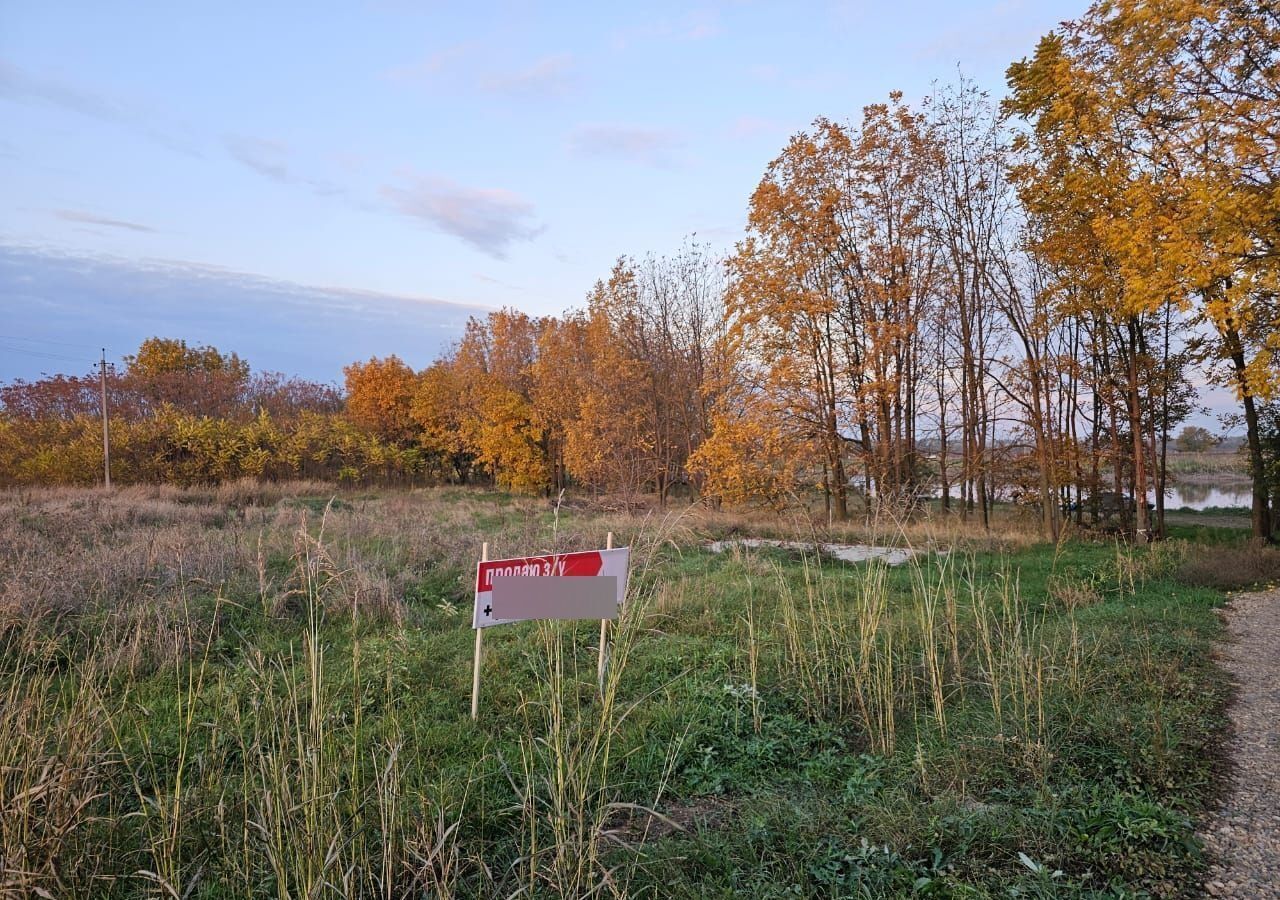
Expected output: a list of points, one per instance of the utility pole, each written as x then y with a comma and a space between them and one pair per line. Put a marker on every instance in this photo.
106, 434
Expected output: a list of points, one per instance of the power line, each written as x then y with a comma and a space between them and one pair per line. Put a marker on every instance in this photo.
26, 351
35, 340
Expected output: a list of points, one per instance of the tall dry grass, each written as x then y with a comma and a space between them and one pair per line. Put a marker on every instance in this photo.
857, 649
265, 777
149, 747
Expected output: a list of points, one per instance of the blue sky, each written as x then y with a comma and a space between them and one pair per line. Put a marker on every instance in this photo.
310, 183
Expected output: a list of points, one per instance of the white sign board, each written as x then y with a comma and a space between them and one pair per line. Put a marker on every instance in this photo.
604, 564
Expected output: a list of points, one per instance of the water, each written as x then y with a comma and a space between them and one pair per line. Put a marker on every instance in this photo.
1203, 496
1193, 496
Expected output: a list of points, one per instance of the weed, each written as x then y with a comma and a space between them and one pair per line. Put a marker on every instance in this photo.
251, 691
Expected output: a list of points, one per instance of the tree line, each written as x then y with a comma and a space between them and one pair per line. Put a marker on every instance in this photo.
964, 296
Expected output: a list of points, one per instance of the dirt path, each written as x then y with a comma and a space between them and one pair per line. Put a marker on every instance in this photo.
1243, 836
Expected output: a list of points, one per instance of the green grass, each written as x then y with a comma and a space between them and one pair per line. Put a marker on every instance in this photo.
299, 748
1208, 534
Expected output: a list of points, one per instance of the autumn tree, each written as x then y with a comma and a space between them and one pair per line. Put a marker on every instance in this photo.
970, 217
748, 459
1159, 121
380, 397
55, 397
285, 396
195, 379
498, 419
647, 347
611, 437
436, 411
1068, 192
1195, 439
829, 291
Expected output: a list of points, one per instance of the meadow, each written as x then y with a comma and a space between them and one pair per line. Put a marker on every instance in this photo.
1208, 466
263, 690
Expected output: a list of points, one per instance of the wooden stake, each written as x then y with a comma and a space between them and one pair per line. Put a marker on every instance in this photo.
475, 668
604, 629
106, 433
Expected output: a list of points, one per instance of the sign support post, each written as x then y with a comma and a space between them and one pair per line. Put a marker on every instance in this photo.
475, 671
586, 585
604, 630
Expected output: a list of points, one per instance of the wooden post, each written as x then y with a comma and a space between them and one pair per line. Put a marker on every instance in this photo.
604, 629
475, 668
106, 433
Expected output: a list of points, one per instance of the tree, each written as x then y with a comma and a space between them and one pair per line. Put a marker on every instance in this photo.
829, 290
747, 458
498, 419
969, 214
380, 397
436, 412
200, 380
647, 345
1164, 116
1194, 439
286, 397
56, 397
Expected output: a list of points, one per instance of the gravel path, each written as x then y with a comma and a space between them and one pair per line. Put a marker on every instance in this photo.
1243, 836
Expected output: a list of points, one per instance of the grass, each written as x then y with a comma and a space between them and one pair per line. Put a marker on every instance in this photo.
256, 692
1207, 463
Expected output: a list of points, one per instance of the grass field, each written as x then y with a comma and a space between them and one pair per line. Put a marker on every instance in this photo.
1210, 465
256, 691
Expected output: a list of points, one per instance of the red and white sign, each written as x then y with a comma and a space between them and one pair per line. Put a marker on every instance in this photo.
587, 563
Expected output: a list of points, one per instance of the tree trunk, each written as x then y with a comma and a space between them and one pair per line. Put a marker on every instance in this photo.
1142, 525
1260, 518
1260, 514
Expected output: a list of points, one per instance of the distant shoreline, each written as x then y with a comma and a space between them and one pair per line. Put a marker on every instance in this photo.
1210, 478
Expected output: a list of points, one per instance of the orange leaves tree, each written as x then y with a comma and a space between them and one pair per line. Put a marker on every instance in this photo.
187, 415
200, 380
380, 396
436, 412
497, 418
614, 398
755, 451
826, 297
1152, 151
647, 344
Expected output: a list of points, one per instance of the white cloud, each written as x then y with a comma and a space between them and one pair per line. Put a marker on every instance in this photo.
489, 219
88, 218
27, 87
468, 66
551, 76
695, 25
633, 143
272, 159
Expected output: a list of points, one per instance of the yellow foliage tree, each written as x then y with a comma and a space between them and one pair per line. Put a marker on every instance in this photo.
380, 396
497, 419
1156, 122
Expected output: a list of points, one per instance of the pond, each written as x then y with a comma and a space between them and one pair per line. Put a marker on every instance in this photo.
1204, 496
1223, 494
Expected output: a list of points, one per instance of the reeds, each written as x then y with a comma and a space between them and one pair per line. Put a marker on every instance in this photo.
55, 768
855, 646
565, 778
840, 648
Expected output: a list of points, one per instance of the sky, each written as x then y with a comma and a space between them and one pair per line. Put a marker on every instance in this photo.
312, 183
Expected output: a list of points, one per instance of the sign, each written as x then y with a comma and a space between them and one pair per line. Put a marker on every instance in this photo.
517, 603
